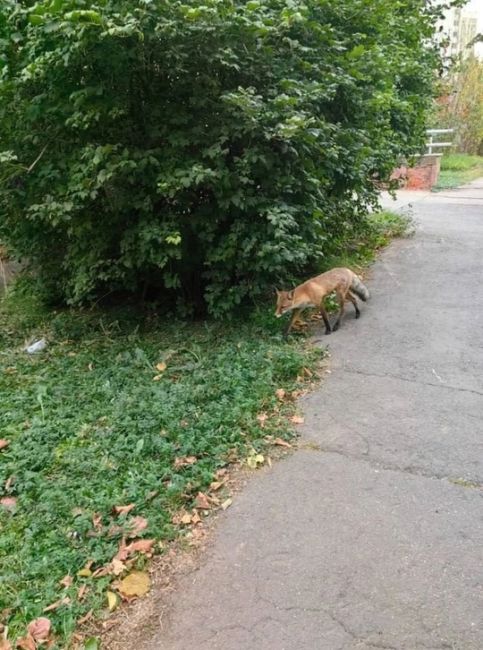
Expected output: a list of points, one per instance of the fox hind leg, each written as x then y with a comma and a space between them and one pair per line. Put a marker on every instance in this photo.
323, 313
353, 300
341, 301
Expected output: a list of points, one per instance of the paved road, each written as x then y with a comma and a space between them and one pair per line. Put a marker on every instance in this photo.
376, 539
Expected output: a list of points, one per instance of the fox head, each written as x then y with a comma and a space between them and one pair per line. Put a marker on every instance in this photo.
284, 302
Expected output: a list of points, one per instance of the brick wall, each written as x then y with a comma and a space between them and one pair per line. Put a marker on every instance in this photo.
423, 176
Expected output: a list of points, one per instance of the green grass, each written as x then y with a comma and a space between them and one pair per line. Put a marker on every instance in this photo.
90, 428
458, 169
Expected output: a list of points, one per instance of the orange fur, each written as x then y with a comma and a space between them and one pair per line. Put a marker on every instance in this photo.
311, 293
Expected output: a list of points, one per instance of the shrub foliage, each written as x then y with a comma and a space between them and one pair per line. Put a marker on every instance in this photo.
207, 149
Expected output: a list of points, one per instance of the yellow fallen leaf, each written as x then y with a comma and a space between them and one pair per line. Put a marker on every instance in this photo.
161, 366
84, 573
112, 600
157, 377
254, 460
137, 583
226, 504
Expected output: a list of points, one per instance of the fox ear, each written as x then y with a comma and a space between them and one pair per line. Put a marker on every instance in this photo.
276, 290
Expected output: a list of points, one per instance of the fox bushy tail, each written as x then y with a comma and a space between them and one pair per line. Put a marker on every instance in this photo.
360, 289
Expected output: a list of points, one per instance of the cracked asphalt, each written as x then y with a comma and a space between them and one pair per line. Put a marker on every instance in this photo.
371, 535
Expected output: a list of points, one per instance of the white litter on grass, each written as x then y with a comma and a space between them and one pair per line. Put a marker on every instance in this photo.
436, 375
38, 346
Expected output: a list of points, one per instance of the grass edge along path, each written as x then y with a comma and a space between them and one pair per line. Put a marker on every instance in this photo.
118, 436
457, 170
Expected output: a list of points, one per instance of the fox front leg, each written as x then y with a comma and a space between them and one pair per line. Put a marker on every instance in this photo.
295, 314
323, 313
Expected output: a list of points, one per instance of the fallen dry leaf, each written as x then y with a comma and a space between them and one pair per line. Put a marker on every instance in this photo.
66, 581
141, 546
102, 571
39, 628
202, 501
136, 526
4, 443
280, 394
297, 419
135, 584
262, 417
82, 592
226, 504
161, 367
123, 510
8, 502
282, 443
216, 485
26, 643
85, 618
186, 519
58, 603
9, 482
195, 518
112, 600
117, 567
115, 530
184, 461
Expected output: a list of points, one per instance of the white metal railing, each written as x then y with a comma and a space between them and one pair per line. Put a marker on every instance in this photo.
431, 144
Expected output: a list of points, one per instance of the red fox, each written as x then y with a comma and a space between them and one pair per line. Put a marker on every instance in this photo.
312, 293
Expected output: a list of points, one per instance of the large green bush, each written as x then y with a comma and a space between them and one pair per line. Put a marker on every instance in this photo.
208, 149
